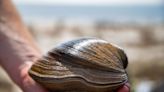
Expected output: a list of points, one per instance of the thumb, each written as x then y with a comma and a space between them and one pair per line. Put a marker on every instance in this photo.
124, 88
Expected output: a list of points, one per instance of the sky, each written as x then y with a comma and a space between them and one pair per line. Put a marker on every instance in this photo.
91, 2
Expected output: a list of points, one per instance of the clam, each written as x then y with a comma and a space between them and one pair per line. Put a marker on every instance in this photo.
82, 65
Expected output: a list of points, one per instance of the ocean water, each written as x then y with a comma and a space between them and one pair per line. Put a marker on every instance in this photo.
136, 13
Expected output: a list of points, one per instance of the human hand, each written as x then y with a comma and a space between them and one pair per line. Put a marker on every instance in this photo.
124, 88
28, 84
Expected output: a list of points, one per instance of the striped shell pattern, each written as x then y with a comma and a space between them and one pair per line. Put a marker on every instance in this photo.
82, 65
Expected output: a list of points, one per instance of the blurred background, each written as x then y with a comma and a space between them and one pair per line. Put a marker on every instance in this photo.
135, 25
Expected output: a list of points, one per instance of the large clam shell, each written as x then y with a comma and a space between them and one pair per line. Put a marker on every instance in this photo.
83, 65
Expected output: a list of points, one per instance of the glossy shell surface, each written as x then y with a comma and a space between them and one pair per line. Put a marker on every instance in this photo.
82, 65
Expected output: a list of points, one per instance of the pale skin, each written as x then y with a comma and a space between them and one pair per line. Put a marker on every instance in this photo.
18, 50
